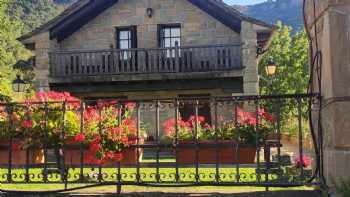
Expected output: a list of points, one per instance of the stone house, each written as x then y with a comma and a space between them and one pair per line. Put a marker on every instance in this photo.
149, 49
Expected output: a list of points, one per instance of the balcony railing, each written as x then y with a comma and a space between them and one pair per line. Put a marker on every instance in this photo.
159, 60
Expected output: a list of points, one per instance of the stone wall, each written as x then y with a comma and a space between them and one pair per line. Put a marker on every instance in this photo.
333, 30
249, 58
43, 45
197, 27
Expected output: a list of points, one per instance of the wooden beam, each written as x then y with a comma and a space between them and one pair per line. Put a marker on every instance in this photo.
234, 85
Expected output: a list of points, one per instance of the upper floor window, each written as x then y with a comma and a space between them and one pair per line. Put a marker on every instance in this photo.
170, 35
126, 39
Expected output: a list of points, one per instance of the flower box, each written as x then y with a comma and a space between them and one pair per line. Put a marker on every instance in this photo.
207, 153
19, 156
72, 155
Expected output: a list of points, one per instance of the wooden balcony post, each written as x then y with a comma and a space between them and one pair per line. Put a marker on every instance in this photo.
177, 57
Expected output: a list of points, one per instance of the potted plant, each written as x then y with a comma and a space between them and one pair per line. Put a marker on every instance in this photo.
197, 139
105, 140
16, 136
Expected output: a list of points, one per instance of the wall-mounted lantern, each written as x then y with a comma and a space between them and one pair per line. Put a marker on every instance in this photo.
19, 85
271, 67
149, 12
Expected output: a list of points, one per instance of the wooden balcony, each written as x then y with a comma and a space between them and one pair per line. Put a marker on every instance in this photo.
112, 64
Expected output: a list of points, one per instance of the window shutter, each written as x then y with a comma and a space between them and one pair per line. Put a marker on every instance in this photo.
160, 35
117, 39
133, 36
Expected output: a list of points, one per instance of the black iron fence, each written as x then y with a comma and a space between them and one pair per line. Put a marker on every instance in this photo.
232, 141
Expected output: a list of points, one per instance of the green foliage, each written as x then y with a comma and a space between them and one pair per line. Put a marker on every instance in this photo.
10, 50
291, 56
34, 13
16, 18
343, 188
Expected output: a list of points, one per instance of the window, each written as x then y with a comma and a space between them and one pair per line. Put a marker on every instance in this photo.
126, 39
188, 107
169, 37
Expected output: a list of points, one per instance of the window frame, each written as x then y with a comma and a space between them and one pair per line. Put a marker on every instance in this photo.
132, 38
188, 107
161, 37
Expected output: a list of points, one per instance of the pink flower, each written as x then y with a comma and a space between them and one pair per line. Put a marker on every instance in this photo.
268, 117
130, 106
16, 146
95, 145
116, 131
118, 156
27, 124
91, 114
109, 155
170, 124
131, 125
79, 138
113, 102
246, 117
192, 119
28, 102
102, 104
304, 161
41, 96
91, 159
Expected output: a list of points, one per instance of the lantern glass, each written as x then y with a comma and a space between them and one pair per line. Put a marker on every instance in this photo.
18, 85
271, 70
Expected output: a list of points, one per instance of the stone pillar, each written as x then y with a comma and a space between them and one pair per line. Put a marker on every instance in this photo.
333, 37
43, 45
249, 61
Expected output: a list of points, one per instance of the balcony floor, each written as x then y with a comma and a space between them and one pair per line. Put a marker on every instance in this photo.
130, 77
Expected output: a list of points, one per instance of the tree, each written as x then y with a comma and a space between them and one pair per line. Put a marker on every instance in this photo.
291, 56
33, 13
10, 49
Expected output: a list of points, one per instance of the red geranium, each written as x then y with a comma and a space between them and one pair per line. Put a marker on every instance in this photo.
118, 156
16, 146
95, 145
304, 161
130, 106
79, 138
249, 118
170, 124
244, 117
27, 124
131, 125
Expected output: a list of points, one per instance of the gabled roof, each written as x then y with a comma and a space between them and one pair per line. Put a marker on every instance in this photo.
83, 11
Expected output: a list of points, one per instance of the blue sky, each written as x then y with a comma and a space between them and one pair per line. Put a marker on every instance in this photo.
243, 2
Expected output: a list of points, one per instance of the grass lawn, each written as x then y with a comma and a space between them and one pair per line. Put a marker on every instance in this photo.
132, 189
